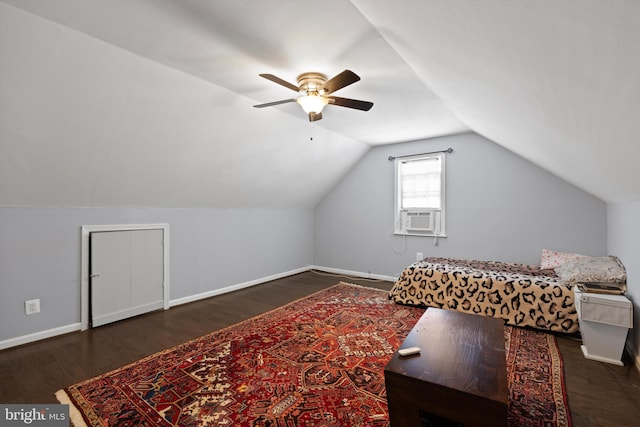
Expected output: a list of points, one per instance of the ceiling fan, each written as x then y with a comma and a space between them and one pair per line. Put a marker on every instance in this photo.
316, 92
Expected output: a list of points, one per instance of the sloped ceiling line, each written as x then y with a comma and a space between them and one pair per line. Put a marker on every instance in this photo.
554, 82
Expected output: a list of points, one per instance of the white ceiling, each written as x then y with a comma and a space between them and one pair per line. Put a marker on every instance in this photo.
149, 102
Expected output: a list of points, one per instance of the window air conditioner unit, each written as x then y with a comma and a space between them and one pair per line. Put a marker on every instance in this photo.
417, 221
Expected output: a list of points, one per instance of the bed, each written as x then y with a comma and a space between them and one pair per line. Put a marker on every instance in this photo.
539, 297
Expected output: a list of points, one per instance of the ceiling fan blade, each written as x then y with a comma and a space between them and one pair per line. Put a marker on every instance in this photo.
280, 82
343, 79
270, 104
314, 117
350, 103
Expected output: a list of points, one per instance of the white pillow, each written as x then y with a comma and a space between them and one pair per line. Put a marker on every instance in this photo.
603, 269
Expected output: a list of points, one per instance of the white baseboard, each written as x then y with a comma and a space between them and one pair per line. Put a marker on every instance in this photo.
354, 273
36, 336
226, 289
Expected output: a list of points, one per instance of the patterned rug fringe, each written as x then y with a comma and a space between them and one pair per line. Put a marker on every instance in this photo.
74, 414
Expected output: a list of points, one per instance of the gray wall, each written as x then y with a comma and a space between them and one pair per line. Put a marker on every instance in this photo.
499, 207
623, 240
209, 249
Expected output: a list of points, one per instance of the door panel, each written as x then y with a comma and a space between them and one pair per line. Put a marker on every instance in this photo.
147, 269
126, 274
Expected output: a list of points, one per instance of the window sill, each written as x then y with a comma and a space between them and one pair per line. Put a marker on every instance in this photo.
401, 233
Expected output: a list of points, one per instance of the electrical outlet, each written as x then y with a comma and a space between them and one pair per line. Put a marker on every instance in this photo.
32, 306
419, 256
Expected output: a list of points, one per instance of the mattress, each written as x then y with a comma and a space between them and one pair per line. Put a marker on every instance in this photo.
523, 295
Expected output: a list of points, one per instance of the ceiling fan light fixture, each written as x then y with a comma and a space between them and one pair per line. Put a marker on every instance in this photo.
312, 103
317, 92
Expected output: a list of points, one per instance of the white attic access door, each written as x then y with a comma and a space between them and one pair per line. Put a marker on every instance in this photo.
124, 271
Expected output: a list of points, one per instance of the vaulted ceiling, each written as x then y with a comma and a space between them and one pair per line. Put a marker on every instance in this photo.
150, 102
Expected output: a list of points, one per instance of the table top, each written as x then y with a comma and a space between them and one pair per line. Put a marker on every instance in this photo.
459, 351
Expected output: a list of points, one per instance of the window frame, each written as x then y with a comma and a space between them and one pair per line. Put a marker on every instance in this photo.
439, 229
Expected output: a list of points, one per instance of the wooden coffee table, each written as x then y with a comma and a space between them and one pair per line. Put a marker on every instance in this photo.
459, 378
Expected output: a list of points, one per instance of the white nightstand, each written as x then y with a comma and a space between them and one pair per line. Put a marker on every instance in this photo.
604, 323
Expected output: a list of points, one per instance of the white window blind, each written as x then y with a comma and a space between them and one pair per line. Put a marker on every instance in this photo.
420, 183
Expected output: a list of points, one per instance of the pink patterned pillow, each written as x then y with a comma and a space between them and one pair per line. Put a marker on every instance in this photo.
552, 259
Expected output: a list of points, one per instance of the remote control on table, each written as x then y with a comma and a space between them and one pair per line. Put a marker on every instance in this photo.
409, 351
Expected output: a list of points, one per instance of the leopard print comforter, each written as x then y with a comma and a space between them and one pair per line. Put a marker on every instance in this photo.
523, 295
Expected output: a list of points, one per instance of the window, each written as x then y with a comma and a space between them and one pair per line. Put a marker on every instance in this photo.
419, 204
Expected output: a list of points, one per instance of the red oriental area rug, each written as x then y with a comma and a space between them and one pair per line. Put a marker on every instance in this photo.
318, 361
537, 394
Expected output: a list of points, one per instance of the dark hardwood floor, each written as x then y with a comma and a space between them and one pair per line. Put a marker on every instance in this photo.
599, 394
